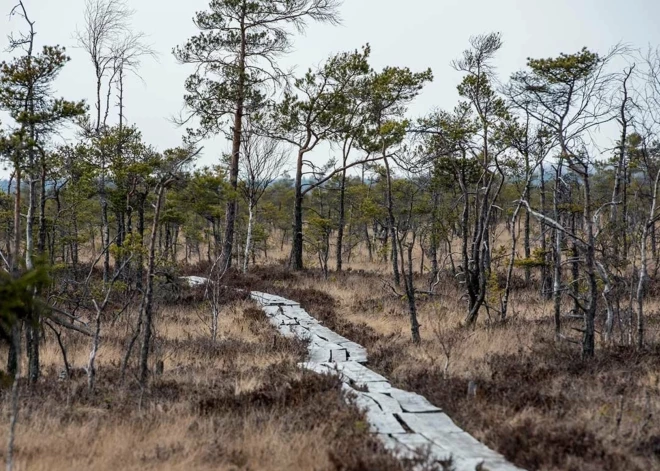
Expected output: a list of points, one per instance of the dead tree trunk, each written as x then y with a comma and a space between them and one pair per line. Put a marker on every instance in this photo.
391, 222
409, 283
147, 304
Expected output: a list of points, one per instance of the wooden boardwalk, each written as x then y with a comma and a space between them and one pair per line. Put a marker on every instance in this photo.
404, 421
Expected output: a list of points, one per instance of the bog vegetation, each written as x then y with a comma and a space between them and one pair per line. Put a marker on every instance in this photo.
507, 247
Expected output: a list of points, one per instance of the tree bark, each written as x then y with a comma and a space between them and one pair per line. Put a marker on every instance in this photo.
147, 305
556, 290
297, 245
232, 203
588, 343
643, 269
342, 219
12, 354
248, 240
391, 222
410, 292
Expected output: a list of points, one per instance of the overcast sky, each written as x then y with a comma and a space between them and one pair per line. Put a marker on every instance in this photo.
413, 33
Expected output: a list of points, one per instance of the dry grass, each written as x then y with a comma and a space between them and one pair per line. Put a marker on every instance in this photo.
241, 403
536, 401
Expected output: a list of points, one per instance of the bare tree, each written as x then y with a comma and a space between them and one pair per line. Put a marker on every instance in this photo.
127, 55
263, 160
530, 143
100, 307
172, 164
106, 24
647, 99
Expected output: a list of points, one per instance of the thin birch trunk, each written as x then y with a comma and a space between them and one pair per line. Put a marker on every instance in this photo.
248, 239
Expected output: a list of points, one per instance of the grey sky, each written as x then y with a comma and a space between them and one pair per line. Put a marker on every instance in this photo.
414, 33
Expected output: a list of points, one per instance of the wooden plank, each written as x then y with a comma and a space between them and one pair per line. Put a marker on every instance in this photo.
358, 352
297, 313
408, 445
327, 334
411, 402
319, 342
464, 445
412, 441
271, 310
359, 373
262, 296
259, 297
386, 403
338, 355
278, 300
382, 387
302, 332
309, 323
297, 331
383, 422
319, 354
272, 300
430, 423
362, 401
358, 357
379, 421
283, 320
465, 449
416, 443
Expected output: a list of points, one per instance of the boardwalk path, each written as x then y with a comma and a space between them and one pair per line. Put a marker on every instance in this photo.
404, 421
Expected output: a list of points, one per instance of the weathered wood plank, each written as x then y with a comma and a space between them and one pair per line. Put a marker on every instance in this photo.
296, 331
298, 314
411, 402
319, 342
269, 299
383, 422
380, 421
361, 400
319, 354
283, 302
412, 440
281, 319
430, 423
272, 310
465, 449
262, 298
415, 443
386, 403
338, 355
359, 373
358, 357
382, 387
327, 334
356, 351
